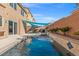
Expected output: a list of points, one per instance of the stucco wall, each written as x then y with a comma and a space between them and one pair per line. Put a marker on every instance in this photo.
8, 13
70, 21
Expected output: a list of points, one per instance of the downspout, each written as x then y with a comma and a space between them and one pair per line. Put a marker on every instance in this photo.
19, 27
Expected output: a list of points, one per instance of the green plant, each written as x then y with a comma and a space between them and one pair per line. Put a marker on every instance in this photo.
34, 31
65, 29
76, 33
54, 30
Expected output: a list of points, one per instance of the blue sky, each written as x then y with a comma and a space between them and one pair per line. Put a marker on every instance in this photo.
50, 12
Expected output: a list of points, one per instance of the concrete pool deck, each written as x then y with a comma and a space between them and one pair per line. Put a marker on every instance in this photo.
60, 43
8, 43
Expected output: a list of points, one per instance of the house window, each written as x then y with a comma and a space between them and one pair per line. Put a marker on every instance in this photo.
0, 20
15, 28
22, 12
12, 27
24, 24
13, 5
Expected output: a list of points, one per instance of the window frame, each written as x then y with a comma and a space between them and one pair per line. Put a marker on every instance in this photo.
12, 27
13, 5
1, 21
22, 12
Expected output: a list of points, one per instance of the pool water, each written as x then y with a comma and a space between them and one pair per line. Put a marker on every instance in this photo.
40, 46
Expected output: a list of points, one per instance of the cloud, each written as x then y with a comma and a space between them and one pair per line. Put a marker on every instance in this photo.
30, 5
37, 15
56, 5
59, 5
43, 18
48, 18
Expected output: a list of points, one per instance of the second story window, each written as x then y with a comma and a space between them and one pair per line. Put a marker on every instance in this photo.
0, 20
22, 12
13, 5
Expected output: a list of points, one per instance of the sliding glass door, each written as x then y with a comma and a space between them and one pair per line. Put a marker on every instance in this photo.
15, 28
12, 26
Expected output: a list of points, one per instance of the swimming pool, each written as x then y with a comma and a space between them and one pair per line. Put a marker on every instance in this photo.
40, 46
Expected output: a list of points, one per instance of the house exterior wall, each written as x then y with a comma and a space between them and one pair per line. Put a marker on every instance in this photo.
29, 18
8, 13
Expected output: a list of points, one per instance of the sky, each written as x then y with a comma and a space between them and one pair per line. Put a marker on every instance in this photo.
50, 12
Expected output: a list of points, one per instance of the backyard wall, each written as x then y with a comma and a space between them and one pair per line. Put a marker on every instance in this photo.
70, 21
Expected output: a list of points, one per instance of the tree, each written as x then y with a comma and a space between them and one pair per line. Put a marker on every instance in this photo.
65, 29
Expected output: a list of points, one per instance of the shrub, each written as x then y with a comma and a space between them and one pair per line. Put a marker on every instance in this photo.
76, 33
65, 29
54, 30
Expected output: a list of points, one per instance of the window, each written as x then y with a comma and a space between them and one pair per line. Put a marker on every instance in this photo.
12, 27
0, 20
24, 24
22, 13
15, 28
13, 5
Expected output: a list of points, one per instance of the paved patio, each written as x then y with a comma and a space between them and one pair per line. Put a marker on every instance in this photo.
8, 43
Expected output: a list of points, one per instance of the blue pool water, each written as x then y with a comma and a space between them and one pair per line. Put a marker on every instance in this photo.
41, 46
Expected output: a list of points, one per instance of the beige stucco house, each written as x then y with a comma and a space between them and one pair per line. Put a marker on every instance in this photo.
11, 16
